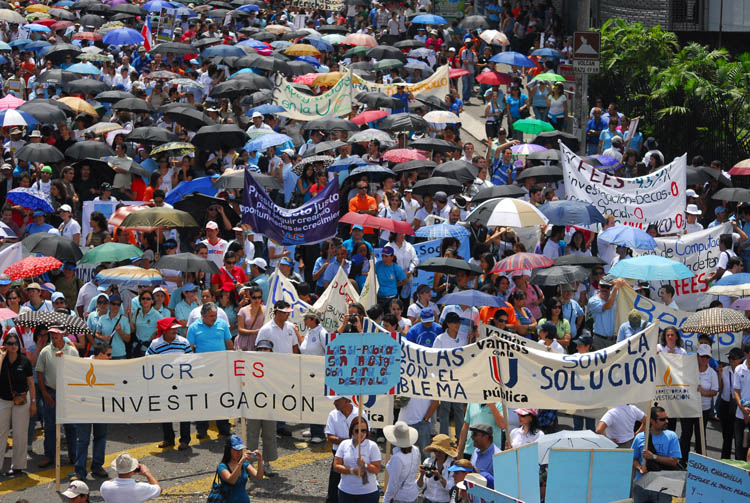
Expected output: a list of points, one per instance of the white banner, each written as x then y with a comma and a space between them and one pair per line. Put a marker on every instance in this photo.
10, 255
335, 102
700, 252
436, 84
657, 198
195, 387
334, 303
281, 288
369, 295
677, 388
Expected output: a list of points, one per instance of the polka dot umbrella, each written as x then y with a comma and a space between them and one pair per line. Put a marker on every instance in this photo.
73, 324
32, 266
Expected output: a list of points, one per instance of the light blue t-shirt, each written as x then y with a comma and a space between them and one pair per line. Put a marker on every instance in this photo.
209, 339
571, 311
666, 444
604, 321
333, 270
388, 278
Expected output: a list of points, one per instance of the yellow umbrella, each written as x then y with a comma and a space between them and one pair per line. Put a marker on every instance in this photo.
302, 50
328, 79
37, 7
278, 29
79, 106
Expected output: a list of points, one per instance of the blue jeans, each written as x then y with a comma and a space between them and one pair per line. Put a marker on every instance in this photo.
48, 415
373, 497
467, 83
540, 112
592, 148
444, 411
425, 435
579, 420
82, 447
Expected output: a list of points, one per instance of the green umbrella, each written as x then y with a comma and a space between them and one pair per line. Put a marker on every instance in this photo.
550, 77
387, 64
110, 252
532, 126
359, 50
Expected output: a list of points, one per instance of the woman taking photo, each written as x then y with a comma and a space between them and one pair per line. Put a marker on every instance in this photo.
17, 401
434, 473
235, 470
403, 466
357, 459
529, 430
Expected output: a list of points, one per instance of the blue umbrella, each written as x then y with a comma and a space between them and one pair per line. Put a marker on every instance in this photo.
36, 45
267, 108
442, 230
429, 19
651, 268
626, 235
19, 42
319, 44
4, 46
471, 298
601, 160
31, 198
222, 51
255, 44
38, 28
122, 36
85, 69
309, 59
158, 5
203, 185
739, 278
249, 8
265, 141
244, 70
64, 3
12, 117
512, 58
344, 164
567, 212
417, 65
547, 52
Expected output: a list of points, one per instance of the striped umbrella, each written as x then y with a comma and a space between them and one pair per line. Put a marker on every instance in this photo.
519, 261
507, 212
442, 230
716, 320
119, 215
129, 275
32, 266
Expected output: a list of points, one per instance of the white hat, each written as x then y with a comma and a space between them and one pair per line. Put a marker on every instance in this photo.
474, 478
288, 151
401, 434
691, 193
212, 225
260, 263
65, 207
692, 209
704, 350
75, 489
57, 295
257, 114
124, 463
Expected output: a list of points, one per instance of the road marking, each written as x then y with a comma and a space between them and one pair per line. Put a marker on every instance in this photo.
47, 476
287, 462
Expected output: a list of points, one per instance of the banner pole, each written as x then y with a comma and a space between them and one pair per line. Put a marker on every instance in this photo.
591, 472
703, 435
647, 428
243, 430
57, 456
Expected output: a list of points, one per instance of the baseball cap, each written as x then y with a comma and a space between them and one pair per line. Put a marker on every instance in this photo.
60, 330
75, 489
212, 225
6, 166
357, 228
634, 318
259, 263
440, 196
719, 209
34, 286
189, 287
451, 49
264, 344
46, 169
57, 295
584, 338
257, 114
462, 465
482, 428
452, 318
288, 151
427, 315
692, 209
39, 213
704, 350
124, 463
105, 186
115, 298
282, 306
287, 261
388, 250
65, 207
691, 193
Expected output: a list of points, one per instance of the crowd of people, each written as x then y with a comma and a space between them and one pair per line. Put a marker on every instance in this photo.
103, 111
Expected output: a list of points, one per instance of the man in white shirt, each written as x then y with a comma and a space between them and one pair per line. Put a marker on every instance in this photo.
337, 430
258, 122
617, 424
216, 245
284, 335
742, 399
124, 489
407, 259
552, 246
614, 150
316, 336
666, 294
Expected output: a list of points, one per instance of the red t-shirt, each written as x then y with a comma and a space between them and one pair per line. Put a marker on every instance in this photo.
223, 277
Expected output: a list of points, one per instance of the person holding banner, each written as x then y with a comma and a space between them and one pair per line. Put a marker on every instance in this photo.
357, 459
663, 451
618, 423
708, 388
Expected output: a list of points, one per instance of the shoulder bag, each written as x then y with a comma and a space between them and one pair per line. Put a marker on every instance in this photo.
18, 398
218, 492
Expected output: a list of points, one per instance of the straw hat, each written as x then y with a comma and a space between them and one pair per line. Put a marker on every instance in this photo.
401, 434
442, 443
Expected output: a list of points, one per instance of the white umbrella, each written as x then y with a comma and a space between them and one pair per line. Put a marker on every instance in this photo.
510, 212
494, 37
442, 117
372, 134
13, 117
569, 439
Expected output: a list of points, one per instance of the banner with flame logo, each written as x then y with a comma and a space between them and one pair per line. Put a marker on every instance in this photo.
678, 390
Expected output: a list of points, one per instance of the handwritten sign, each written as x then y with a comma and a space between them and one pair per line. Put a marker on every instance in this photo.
362, 363
711, 481
333, 305
337, 101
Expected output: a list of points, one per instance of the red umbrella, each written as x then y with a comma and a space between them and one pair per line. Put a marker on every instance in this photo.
360, 39
519, 261
385, 224
493, 78
32, 266
61, 25
369, 116
403, 155
458, 72
87, 35
741, 168
46, 22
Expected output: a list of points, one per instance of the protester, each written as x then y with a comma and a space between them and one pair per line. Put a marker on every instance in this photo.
434, 475
708, 388
124, 488
236, 468
357, 459
337, 431
484, 450
17, 401
529, 431
726, 406
741, 397
663, 450
618, 424
77, 492
403, 466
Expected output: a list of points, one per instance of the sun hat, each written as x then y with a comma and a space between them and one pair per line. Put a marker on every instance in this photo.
525, 412
124, 463
401, 434
704, 350
692, 209
462, 465
634, 318
474, 478
442, 443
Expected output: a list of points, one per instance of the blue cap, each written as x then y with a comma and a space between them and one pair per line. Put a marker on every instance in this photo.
39, 213
4, 282
388, 250
287, 261
357, 228
115, 298
719, 209
459, 468
427, 315
189, 287
236, 442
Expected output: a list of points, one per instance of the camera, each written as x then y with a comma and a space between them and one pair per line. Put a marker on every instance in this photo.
430, 466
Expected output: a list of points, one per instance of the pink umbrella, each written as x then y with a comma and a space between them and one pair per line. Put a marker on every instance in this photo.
10, 102
369, 116
743, 304
112, 3
403, 155
457, 72
7, 314
307, 79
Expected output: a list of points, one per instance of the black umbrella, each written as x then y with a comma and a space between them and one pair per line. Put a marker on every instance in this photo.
258, 98
122, 17
234, 88
295, 34
559, 275
258, 81
57, 52
471, 23
130, 9
461, 171
716, 175
205, 42
197, 205
433, 184
56, 76
378, 100
91, 20
39, 152
498, 191
402, 123
417, 164
448, 265
85, 86
550, 155
734, 194
695, 176
61, 248
265, 36
127, 164
300, 67
61, 14
151, 135
88, 148
579, 259
43, 112
549, 139
186, 262
264, 63
176, 48
323, 146
73, 324
100, 171
330, 124
381, 52
409, 43
135, 105
434, 145
189, 118
221, 136
542, 174
113, 96
432, 101
102, 9
235, 179
62, 106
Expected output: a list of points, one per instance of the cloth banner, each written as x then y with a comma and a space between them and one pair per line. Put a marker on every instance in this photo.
311, 223
435, 85
10, 255
700, 252
333, 304
658, 197
281, 288
199, 387
430, 249
369, 295
362, 364
318, 4
335, 102
677, 390
656, 312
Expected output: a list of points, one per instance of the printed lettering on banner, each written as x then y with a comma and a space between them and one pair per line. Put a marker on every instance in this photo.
436, 85
713, 481
430, 249
656, 312
677, 390
335, 102
193, 387
700, 252
318, 4
657, 198
362, 364
333, 305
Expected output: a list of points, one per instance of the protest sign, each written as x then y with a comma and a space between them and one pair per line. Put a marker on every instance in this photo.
367, 363
311, 223
434, 85
601, 476
656, 312
333, 304
430, 249
657, 198
677, 391
335, 102
480, 494
712, 481
368, 297
520, 472
281, 288
450, 9
193, 387
699, 251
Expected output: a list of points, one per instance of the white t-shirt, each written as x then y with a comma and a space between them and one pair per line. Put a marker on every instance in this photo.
338, 425
216, 251
519, 438
693, 228
555, 347
352, 484
414, 411
128, 491
724, 259
446, 341
315, 342
70, 229
283, 338
742, 383
709, 381
677, 350
620, 421
415, 310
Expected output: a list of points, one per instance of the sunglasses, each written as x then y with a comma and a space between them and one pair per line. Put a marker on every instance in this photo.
257, 297
100, 301
12, 298
116, 303
662, 419
11, 343
147, 298
556, 307
108, 355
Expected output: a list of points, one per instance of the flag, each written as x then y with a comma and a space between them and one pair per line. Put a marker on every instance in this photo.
148, 41
369, 294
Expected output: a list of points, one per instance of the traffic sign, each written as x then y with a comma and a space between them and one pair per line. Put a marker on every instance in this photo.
586, 51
